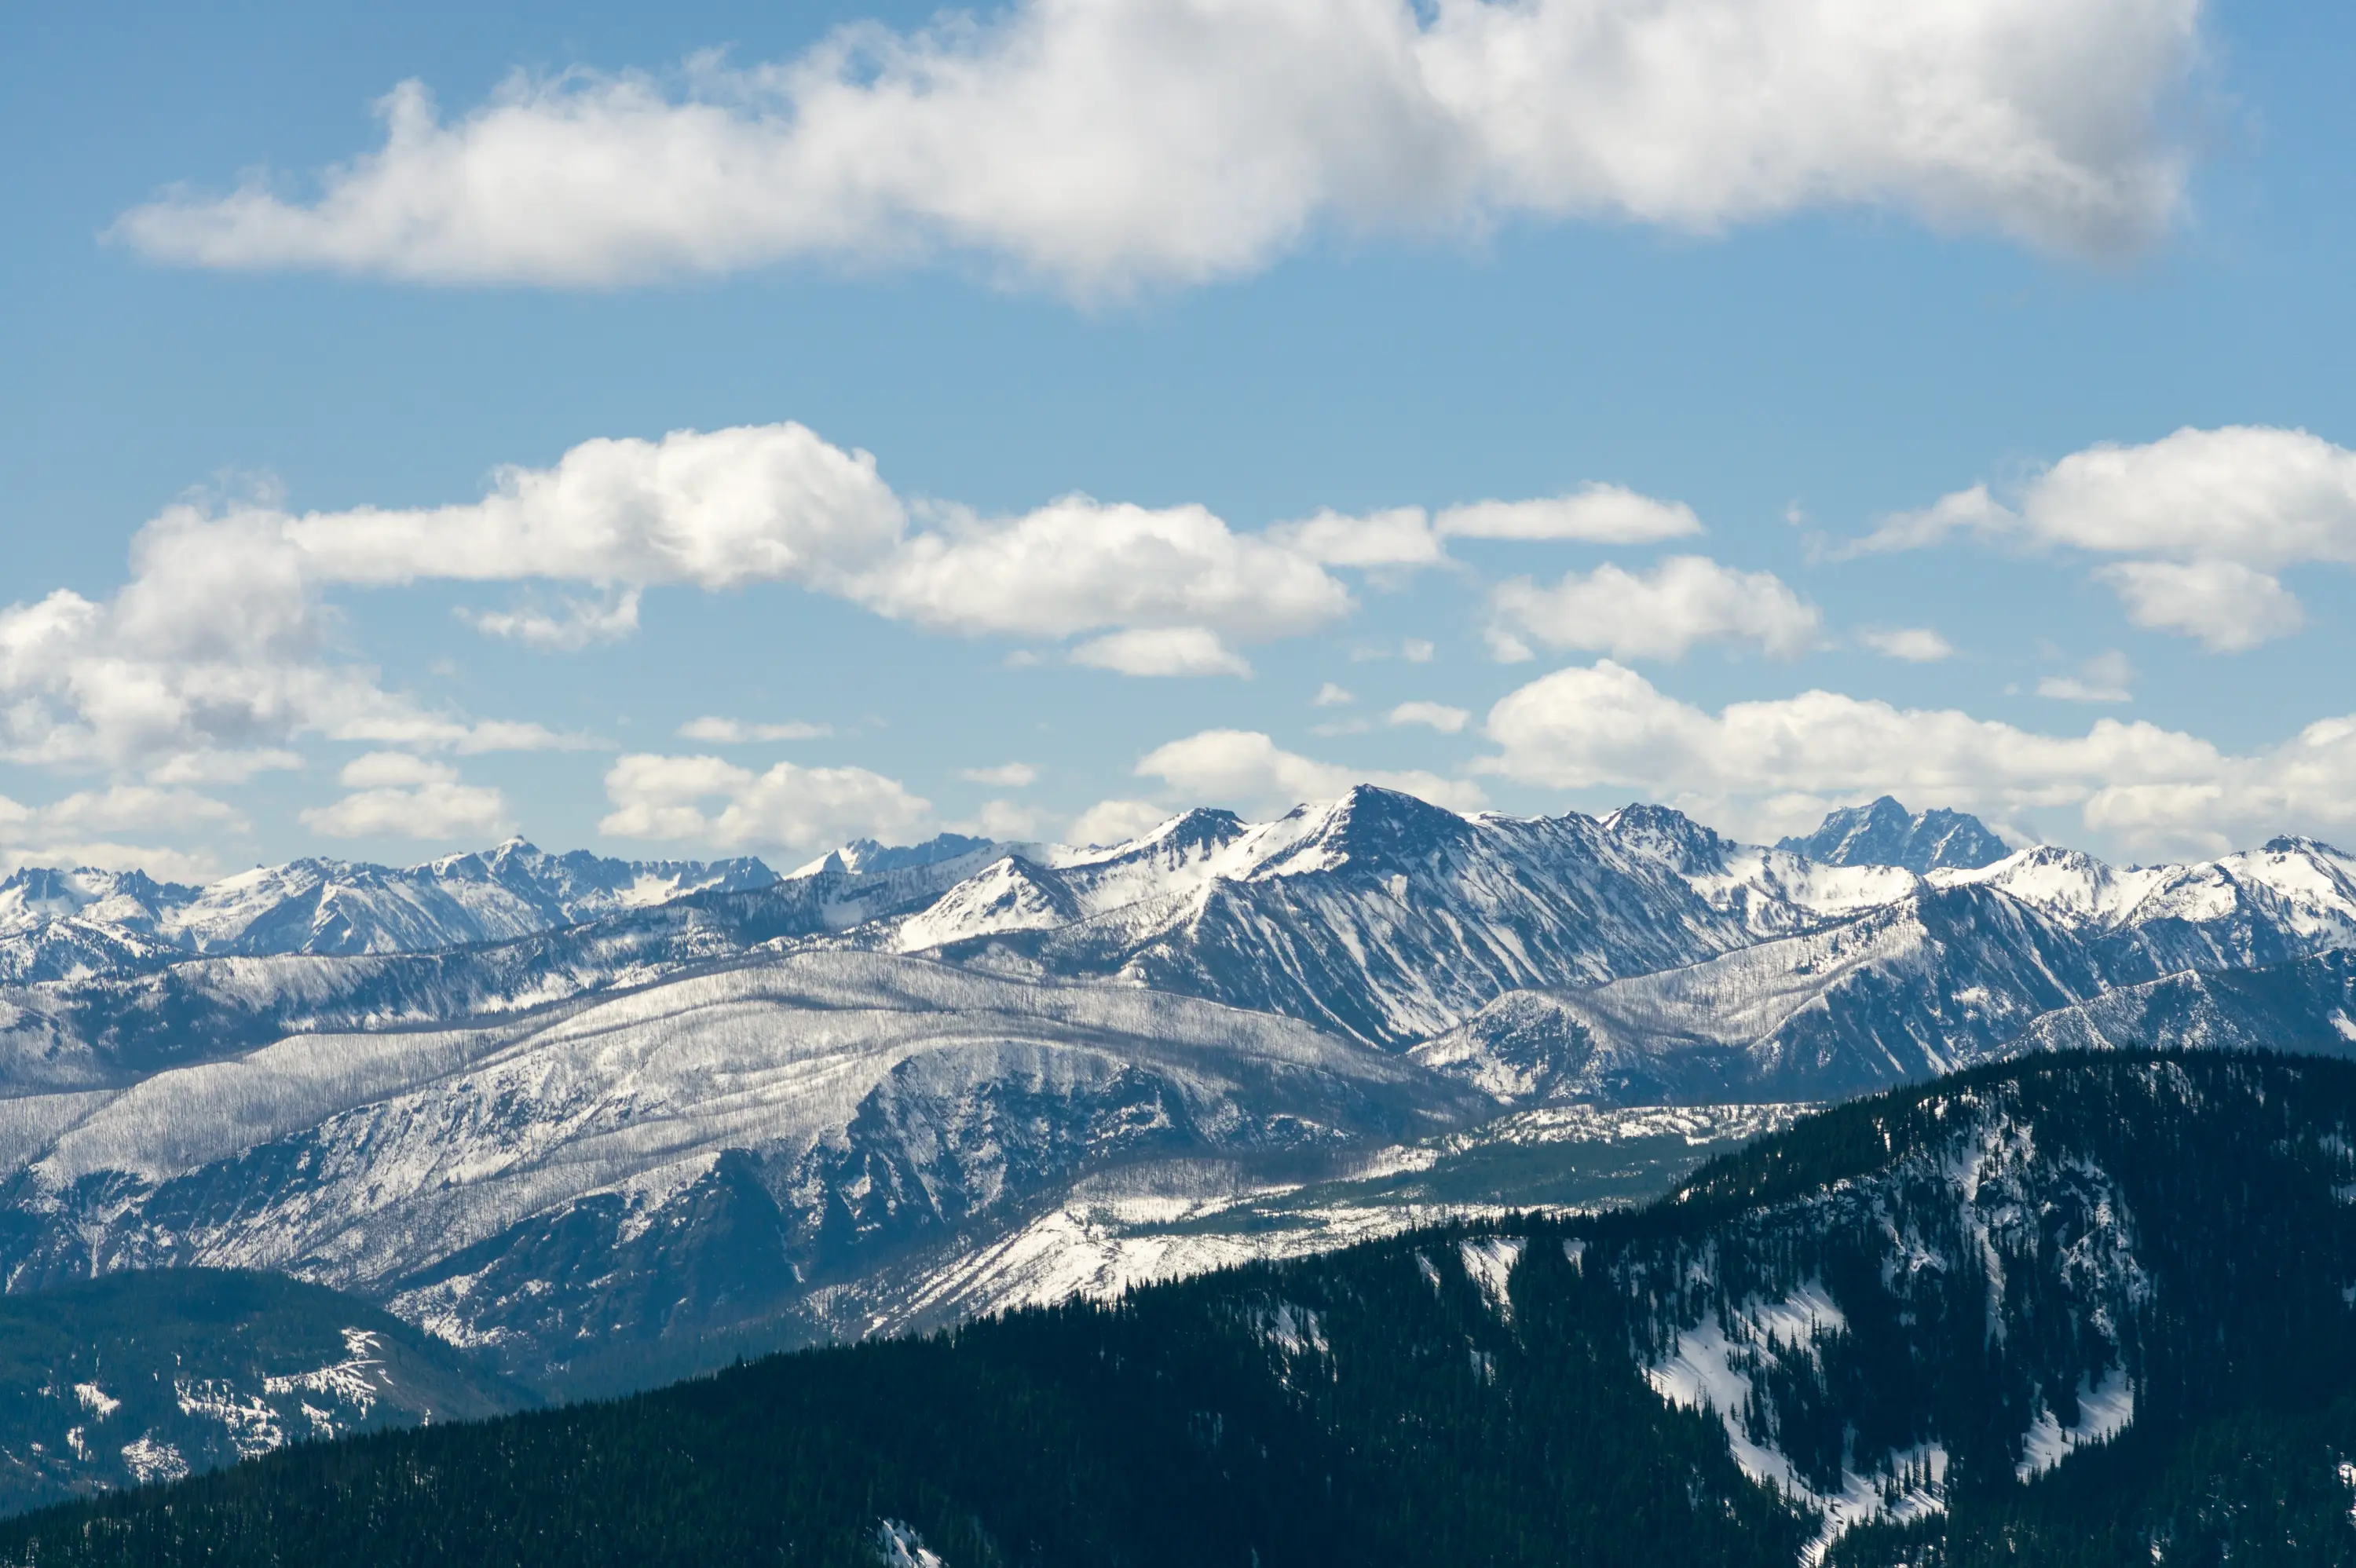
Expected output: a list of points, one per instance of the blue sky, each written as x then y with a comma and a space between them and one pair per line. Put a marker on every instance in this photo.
1783, 335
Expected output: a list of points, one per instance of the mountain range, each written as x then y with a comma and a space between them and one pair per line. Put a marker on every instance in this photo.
602, 1123
2067, 1309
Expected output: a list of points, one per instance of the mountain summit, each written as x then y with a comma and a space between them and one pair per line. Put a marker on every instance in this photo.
1885, 834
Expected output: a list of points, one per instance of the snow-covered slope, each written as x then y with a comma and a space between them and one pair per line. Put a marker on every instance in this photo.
32, 896
149, 1377
1920, 987
2292, 897
335, 906
2307, 1004
661, 1165
93, 1027
585, 1112
1773, 892
1377, 915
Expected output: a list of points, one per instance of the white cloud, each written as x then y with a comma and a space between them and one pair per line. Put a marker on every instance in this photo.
379, 770
166, 863
1600, 513
490, 735
788, 806
1959, 511
190, 671
1768, 765
1418, 650
1331, 696
2103, 678
1004, 819
1077, 565
2078, 689
1915, 645
1409, 537
714, 508
1437, 715
120, 809
1117, 821
1163, 650
1244, 766
212, 656
209, 767
1007, 775
219, 649
1106, 145
580, 623
714, 731
2213, 514
80, 829
397, 795
2225, 604
1400, 537
2262, 496
1684, 600
723, 508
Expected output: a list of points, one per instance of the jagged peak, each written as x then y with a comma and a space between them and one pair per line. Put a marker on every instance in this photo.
1884, 833
866, 857
1667, 834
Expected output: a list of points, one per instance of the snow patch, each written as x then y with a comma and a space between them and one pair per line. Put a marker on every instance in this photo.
95, 1401
252, 1425
1291, 1328
150, 1461
902, 1547
352, 1380
2104, 1410
1706, 1370
1489, 1264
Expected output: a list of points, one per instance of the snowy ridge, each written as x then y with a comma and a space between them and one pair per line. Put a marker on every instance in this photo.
1937, 981
2292, 897
856, 1099
338, 906
1377, 916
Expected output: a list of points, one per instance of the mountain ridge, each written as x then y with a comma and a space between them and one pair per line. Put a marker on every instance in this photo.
1999, 1317
746, 1116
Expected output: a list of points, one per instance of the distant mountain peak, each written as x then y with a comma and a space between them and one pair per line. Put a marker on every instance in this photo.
1884, 833
1370, 825
2299, 844
1668, 836
866, 856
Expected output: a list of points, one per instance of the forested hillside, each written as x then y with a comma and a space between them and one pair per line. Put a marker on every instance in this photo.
2077, 1309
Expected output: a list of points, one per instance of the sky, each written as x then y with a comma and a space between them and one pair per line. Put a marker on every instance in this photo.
710, 428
